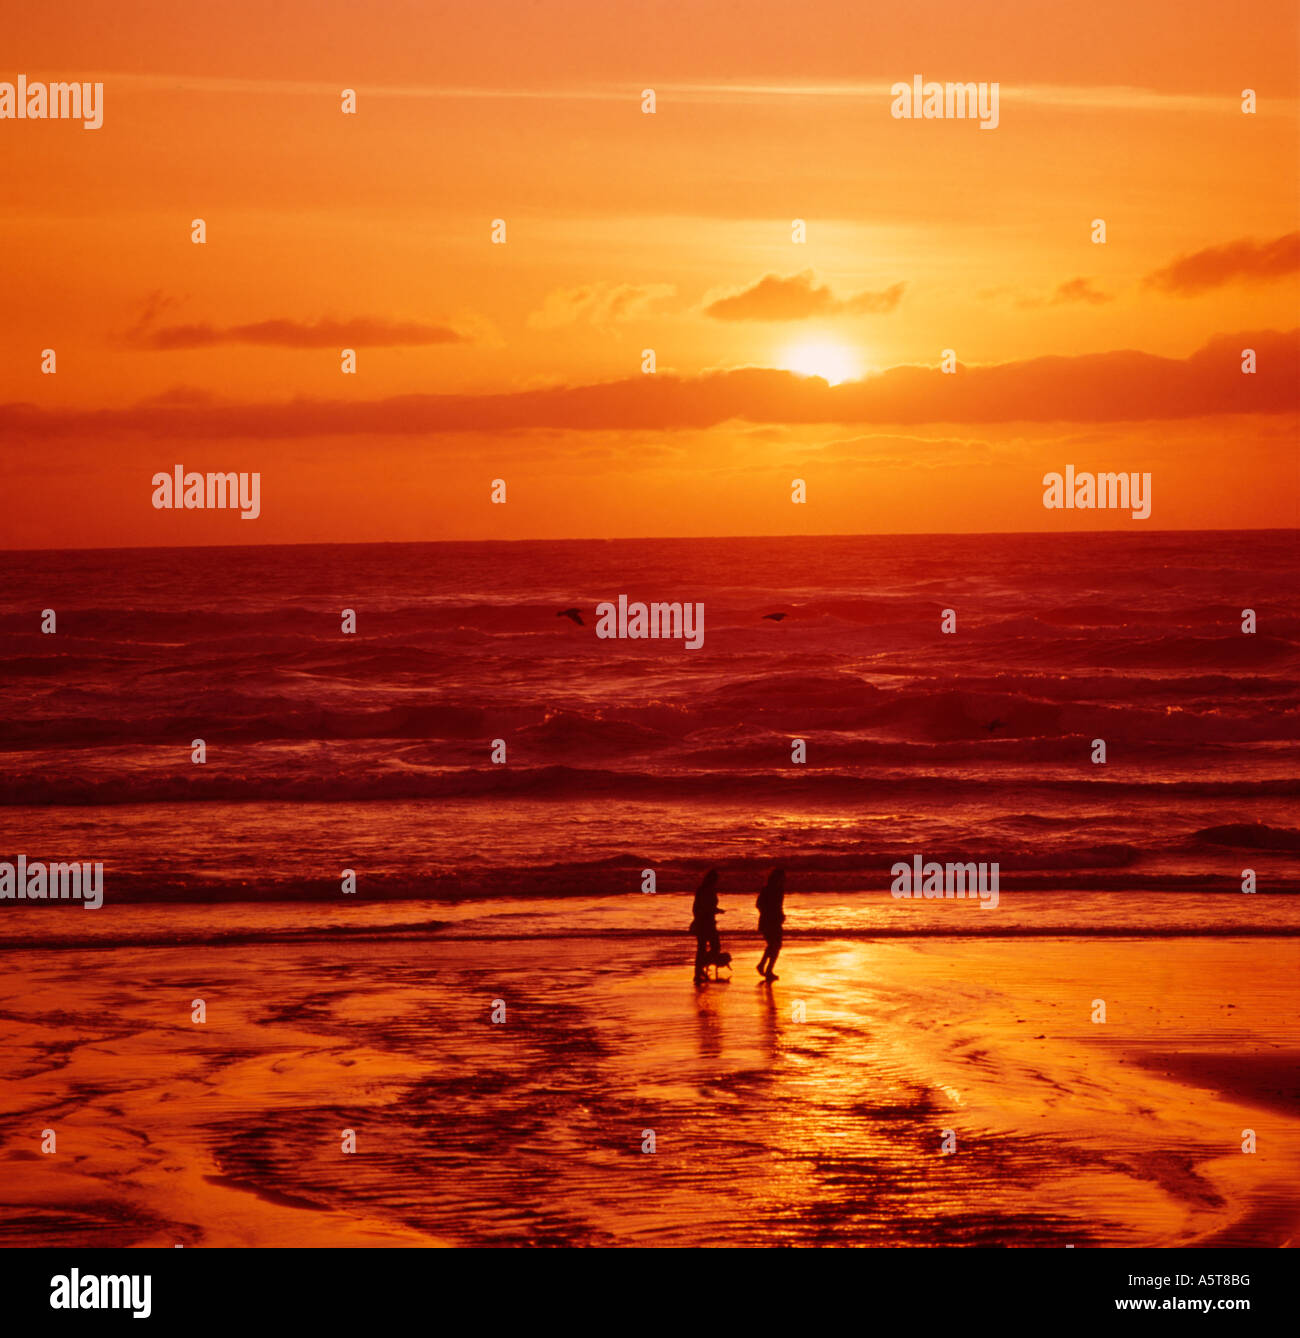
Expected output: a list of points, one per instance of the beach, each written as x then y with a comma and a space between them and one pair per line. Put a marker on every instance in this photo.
471, 807
811, 1111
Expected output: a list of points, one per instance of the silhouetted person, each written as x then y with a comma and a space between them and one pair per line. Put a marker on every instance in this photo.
771, 916
704, 924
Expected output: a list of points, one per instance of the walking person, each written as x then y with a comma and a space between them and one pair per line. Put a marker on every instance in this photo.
771, 916
704, 925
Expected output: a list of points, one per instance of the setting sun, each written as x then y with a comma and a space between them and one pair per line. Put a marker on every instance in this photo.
832, 361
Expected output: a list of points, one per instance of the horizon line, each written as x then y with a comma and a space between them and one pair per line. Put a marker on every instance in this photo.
652, 538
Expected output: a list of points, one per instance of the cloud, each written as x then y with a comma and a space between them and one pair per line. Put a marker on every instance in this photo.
598, 304
358, 332
1122, 98
1079, 290
891, 449
1072, 290
1101, 98
1242, 261
869, 303
1123, 385
798, 298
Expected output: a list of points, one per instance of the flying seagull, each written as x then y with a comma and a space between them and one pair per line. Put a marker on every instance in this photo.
574, 614
993, 724
776, 617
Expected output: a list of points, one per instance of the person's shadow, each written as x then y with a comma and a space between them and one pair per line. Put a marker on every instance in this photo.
769, 1020
708, 1029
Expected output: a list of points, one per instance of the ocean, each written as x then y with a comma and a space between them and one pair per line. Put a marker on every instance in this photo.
486, 1040
373, 751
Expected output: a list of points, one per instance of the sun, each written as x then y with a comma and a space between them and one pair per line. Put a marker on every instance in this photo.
832, 361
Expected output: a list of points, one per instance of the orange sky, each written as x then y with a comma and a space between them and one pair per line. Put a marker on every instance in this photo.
628, 231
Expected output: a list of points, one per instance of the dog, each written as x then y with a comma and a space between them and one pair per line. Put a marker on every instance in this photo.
717, 960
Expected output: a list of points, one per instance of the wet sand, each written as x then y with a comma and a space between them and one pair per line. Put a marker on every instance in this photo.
812, 1111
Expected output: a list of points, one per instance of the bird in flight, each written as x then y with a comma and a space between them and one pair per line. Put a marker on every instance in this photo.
574, 614
776, 617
